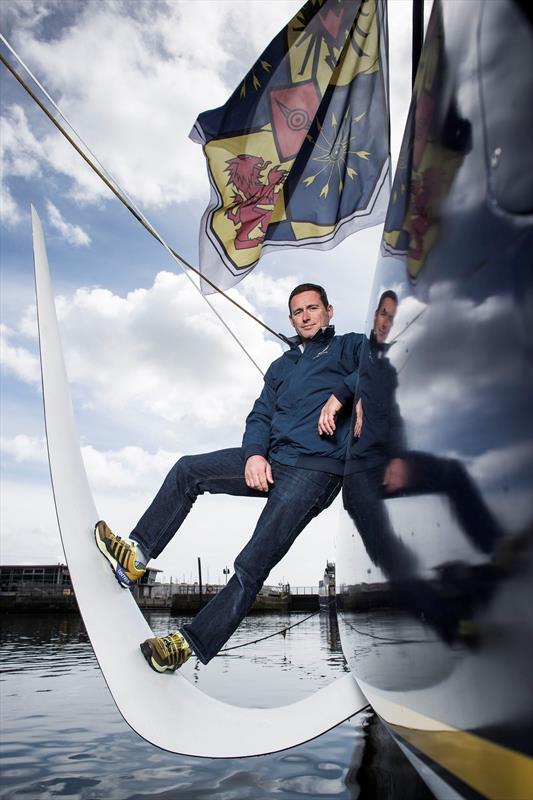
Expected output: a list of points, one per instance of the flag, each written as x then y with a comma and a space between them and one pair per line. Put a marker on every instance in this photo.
434, 145
299, 154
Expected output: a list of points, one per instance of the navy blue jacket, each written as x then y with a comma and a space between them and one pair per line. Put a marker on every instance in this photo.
382, 436
282, 425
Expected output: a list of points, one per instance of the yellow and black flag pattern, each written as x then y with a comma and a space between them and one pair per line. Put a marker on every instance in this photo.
299, 155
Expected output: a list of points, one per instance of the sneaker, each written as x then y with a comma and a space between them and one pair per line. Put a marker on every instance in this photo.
120, 554
166, 653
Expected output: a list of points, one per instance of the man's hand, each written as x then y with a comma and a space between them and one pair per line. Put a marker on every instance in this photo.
258, 473
396, 475
358, 419
326, 421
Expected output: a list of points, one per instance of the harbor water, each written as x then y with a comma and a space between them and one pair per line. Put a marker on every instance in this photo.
62, 735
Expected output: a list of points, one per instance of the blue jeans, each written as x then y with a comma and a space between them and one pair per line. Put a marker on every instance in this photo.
296, 496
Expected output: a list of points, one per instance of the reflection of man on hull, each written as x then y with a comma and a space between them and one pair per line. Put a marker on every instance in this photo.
283, 458
378, 466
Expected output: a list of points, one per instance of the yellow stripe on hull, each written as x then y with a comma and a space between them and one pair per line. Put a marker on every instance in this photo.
495, 771
492, 770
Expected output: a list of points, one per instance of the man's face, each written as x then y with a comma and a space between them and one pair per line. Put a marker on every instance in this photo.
309, 314
383, 319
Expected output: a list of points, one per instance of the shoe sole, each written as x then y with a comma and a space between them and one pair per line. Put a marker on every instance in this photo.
146, 650
118, 571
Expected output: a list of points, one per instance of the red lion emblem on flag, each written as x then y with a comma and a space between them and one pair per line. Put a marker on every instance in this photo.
254, 198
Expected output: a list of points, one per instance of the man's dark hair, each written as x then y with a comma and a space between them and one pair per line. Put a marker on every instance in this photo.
387, 295
309, 287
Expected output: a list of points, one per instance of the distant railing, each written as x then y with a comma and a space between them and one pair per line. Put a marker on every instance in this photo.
38, 595
37, 590
153, 590
213, 588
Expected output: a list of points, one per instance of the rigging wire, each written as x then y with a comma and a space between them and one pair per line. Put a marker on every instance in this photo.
270, 635
387, 639
115, 188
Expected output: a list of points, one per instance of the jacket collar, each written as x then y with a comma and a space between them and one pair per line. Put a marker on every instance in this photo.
294, 342
323, 335
380, 348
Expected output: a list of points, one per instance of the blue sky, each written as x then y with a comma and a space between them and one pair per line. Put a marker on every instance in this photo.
153, 375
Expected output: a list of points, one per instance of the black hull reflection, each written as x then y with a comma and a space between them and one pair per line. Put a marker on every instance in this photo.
383, 773
434, 582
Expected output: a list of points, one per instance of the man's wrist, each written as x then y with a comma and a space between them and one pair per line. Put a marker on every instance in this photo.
253, 450
343, 394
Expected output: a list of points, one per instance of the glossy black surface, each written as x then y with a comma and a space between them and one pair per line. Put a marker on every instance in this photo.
459, 253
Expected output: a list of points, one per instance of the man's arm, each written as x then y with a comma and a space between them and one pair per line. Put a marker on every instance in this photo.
345, 392
256, 439
358, 427
326, 420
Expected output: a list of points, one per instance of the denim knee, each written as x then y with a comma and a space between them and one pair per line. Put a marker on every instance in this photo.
182, 473
252, 579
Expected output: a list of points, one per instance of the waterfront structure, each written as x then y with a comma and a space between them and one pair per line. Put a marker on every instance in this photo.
49, 586
42, 587
15, 577
26, 587
326, 590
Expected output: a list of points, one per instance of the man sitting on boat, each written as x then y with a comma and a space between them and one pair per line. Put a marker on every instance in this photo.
292, 453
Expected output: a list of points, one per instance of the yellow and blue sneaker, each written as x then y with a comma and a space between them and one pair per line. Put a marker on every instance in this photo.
121, 555
166, 653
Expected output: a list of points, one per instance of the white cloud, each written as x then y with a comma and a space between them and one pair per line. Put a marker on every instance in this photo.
474, 365
162, 64
21, 151
25, 449
128, 468
400, 26
73, 234
157, 353
267, 292
9, 211
26, 15
20, 156
505, 464
135, 104
18, 360
162, 350
29, 526
28, 324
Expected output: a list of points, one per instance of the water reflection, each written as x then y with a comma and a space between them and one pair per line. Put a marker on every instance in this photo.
63, 736
364, 495
379, 466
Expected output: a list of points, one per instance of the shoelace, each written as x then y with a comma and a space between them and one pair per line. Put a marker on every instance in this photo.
121, 550
174, 647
